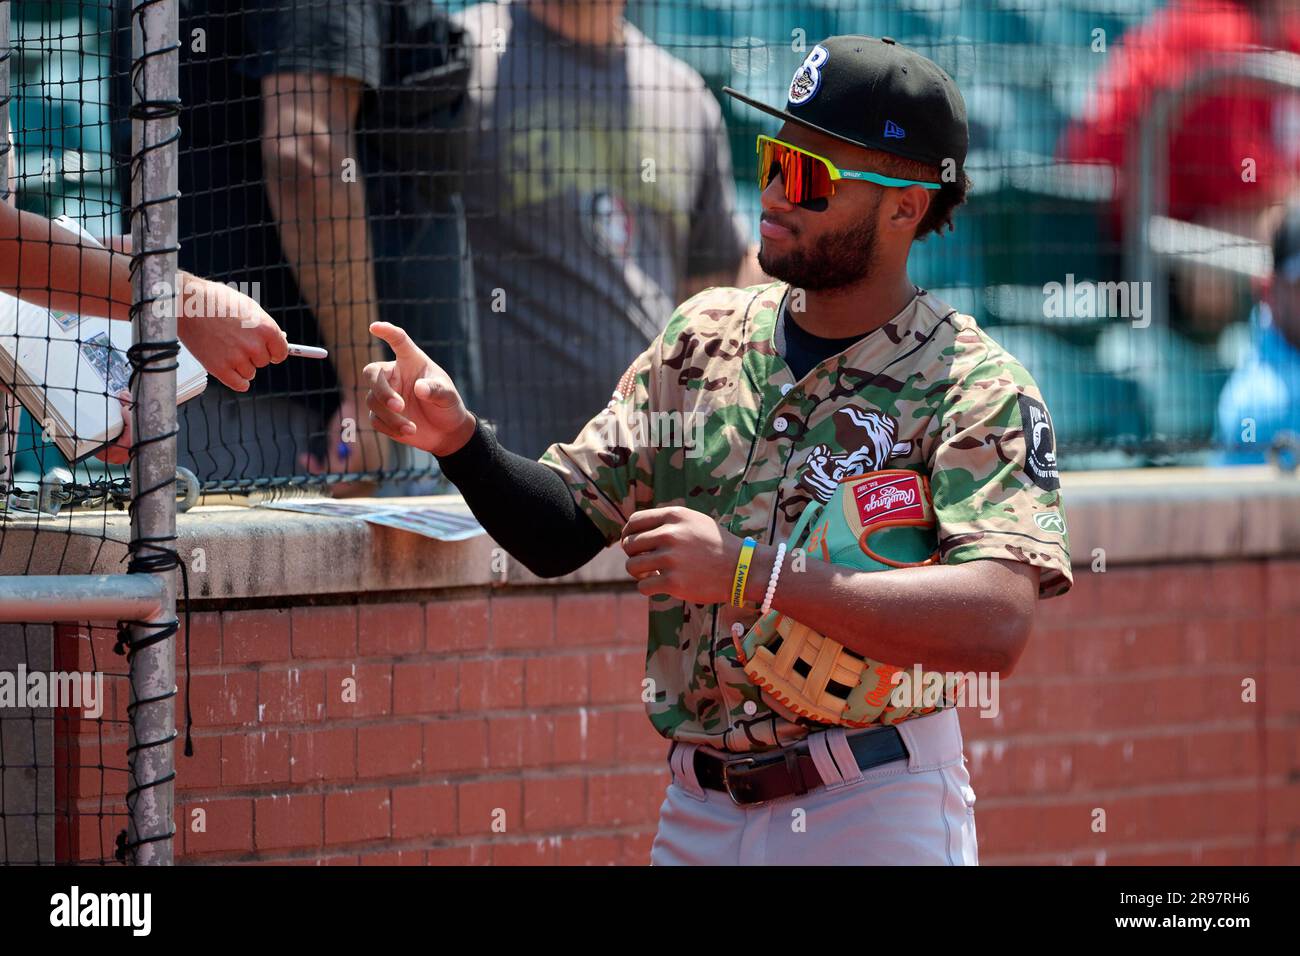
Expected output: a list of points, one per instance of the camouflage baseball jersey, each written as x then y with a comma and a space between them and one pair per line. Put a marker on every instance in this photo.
710, 417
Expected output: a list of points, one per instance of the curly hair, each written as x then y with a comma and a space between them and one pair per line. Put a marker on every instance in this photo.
944, 201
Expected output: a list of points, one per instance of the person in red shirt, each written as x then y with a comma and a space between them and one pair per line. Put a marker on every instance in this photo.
1209, 143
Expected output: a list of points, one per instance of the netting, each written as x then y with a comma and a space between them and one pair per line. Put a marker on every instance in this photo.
534, 193
530, 194
63, 734
63, 772
86, 730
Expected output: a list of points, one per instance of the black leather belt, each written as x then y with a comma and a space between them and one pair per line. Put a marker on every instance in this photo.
791, 770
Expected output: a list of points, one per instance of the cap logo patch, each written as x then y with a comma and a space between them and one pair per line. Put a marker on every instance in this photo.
808, 77
893, 130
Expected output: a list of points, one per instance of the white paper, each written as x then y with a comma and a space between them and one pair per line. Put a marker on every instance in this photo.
70, 367
441, 523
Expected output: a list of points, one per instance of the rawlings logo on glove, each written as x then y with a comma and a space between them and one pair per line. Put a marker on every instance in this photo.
872, 522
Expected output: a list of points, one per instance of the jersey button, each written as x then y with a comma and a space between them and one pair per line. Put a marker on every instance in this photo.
785, 389
781, 424
750, 708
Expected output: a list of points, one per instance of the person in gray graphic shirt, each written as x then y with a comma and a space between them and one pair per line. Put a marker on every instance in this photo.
598, 195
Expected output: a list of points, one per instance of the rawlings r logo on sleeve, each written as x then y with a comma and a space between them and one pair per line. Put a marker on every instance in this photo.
1040, 444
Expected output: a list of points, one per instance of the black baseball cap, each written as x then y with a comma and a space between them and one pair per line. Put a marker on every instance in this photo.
877, 93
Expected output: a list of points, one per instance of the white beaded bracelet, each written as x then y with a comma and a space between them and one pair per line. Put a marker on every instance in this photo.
771, 582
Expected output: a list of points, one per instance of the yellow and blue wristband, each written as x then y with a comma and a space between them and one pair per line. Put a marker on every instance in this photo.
742, 572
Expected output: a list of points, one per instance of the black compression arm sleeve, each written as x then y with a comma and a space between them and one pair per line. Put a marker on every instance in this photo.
525, 506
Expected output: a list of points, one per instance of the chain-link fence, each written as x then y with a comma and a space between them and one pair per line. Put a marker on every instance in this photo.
88, 370
529, 193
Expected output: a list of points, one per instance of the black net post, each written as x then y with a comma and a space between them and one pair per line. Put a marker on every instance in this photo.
151, 648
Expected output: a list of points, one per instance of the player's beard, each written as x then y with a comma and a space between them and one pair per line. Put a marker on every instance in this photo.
840, 258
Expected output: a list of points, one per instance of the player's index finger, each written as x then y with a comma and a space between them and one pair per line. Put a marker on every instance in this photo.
395, 337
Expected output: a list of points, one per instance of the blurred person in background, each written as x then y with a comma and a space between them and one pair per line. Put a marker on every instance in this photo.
599, 194
317, 161
1261, 401
1210, 137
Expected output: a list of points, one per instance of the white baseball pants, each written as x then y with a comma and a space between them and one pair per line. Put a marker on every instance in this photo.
914, 811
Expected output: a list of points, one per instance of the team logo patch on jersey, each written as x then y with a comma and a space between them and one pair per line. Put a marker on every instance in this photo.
807, 78
1050, 521
869, 439
608, 222
1040, 444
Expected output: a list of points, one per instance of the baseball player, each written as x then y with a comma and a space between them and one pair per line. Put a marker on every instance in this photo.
831, 486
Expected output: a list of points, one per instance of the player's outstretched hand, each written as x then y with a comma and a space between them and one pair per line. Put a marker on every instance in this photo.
412, 400
231, 336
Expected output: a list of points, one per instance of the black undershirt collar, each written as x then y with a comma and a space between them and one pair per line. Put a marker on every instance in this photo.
805, 351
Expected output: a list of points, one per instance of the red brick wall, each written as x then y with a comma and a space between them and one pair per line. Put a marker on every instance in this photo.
1129, 699
526, 703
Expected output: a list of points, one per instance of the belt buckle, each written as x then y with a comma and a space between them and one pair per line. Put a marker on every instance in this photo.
726, 779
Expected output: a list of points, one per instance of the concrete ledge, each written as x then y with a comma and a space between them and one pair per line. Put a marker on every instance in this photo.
264, 552
1182, 514
1154, 515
